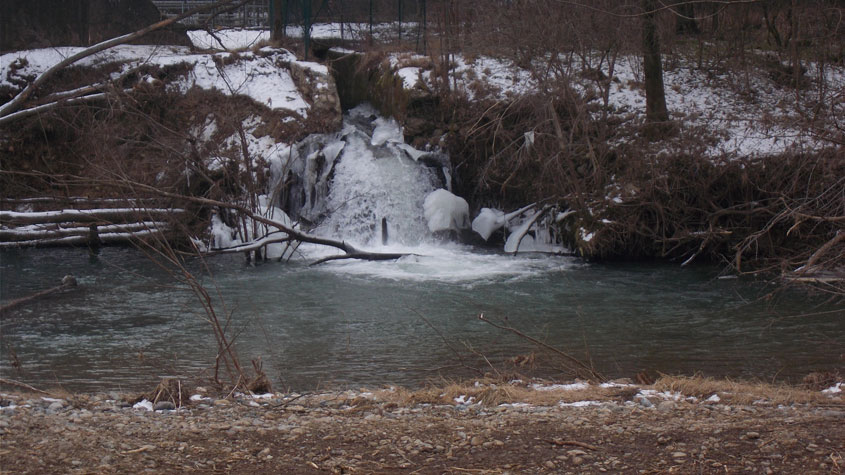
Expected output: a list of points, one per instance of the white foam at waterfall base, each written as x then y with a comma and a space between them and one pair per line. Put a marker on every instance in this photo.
444, 262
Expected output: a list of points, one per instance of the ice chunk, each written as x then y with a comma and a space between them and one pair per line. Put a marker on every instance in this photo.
519, 238
445, 211
387, 130
488, 221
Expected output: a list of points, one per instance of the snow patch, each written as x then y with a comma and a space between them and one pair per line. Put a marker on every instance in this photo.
580, 404
560, 387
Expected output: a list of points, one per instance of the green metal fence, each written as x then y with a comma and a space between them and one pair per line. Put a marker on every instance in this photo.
403, 21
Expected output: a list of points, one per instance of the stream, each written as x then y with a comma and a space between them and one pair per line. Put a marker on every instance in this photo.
352, 323
349, 323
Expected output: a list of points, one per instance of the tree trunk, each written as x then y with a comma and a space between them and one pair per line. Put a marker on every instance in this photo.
277, 26
655, 97
686, 23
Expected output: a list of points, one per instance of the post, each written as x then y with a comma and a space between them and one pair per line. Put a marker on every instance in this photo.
424, 29
306, 31
371, 21
400, 21
271, 19
285, 13
384, 231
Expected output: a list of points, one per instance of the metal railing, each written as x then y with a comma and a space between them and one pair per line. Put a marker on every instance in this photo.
254, 14
380, 20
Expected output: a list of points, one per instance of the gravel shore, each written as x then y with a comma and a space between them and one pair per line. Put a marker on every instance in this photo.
625, 429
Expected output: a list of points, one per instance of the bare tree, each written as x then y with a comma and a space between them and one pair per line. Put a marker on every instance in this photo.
655, 96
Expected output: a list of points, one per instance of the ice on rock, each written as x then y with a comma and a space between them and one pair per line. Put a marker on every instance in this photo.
445, 211
488, 221
387, 130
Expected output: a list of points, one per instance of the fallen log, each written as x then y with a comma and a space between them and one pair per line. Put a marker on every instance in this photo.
54, 232
68, 282
104, 238
85, 215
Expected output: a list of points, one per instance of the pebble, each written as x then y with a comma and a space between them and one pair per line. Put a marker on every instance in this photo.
643, 401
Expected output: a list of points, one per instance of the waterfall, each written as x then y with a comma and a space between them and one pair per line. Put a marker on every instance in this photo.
345, 184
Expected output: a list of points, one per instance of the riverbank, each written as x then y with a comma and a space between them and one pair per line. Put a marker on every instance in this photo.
672, 426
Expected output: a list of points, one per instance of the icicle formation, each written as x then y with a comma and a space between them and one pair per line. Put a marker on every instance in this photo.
529, 229
346, 183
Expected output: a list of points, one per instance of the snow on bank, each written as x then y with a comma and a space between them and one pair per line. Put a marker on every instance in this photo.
752, 117
263, 76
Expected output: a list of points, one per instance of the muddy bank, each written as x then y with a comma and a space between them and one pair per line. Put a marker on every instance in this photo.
397, 431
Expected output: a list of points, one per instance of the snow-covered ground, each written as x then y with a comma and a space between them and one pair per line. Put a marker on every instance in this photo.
260, 75
758, 120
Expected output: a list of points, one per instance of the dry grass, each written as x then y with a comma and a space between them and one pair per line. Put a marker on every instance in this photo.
742, 392
493, 393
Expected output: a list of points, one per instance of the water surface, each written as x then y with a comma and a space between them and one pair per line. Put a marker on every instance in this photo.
353, 323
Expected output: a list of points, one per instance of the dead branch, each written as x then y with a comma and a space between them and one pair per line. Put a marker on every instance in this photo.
366, 256
811, 262
19, 384
49, 106
571, 442
590, 373
67, 282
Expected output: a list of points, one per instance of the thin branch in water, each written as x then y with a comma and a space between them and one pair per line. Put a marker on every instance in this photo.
589, 372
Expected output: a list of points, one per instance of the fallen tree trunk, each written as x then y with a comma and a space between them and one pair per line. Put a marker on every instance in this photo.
85, 215
52, 233
86, 239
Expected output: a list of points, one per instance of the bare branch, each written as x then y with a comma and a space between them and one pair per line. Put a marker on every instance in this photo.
16, 103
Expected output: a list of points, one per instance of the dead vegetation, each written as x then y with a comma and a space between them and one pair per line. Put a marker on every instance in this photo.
741, 392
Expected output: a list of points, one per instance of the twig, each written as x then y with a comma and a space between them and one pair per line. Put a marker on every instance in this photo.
67, 282
15, 103
571, 442
591, 373
19, 384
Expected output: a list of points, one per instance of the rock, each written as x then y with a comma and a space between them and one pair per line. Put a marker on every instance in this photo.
752, 435
679, 455
476, 441
55, 407
666, 406
643, 401
221, 402
164, 406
